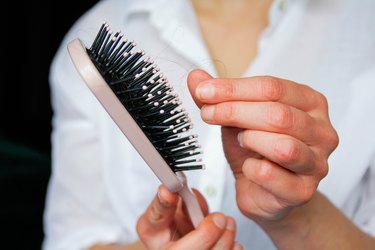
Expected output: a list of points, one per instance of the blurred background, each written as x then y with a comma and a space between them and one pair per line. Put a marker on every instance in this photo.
32, 32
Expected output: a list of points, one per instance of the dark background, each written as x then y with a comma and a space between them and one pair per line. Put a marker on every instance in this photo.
30, 35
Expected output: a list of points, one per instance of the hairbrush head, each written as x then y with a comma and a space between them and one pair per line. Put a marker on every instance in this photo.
148, 97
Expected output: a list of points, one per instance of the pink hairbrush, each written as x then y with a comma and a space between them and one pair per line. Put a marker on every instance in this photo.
144, 106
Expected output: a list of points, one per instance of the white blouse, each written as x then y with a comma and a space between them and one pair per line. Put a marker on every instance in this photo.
100, 185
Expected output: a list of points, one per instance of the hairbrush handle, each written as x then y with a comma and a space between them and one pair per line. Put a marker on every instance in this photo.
191, 202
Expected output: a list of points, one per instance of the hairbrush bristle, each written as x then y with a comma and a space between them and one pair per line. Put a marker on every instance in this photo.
148, 97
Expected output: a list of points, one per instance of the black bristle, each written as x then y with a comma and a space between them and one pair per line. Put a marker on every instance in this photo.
147, 96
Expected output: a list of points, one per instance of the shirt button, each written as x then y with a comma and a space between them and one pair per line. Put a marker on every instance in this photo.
210, 191
282, 5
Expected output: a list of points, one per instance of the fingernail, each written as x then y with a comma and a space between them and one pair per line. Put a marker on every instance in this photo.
231, 225
240, 139
205, 91
219, 220
237, 246
155, 214
208, 112
162, 201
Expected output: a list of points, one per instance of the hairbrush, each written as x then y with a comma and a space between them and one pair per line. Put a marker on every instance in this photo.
143, 104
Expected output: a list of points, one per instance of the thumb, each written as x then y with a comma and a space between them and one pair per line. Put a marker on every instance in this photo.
195, 77
208, 233
158, 217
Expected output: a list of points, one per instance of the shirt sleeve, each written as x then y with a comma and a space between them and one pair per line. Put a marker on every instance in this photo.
80, 210
78, 213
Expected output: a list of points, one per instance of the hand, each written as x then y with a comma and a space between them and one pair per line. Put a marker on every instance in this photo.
165, 225
277, 138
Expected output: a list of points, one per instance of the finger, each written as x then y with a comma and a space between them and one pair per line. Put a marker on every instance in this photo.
259, 88
183, 222
289, 188
160, 213
266, 116
206, 235
237, 246
182, 218
202, 202
227, 239
284, 150
195, 77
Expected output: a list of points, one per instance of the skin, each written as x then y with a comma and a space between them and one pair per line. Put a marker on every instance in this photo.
165, 221
276, 161
165, 225
283, 160
231, 30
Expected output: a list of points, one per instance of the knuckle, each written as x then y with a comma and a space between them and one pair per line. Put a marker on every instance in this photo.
141, 228
263, 172
329, 138
306, 191
280, 116
332, 139
321, 100
323, 170
227, 112
287, 151
228, 89
321, 167
271, 88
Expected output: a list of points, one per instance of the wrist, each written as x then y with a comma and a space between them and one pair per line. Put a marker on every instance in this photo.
292, 228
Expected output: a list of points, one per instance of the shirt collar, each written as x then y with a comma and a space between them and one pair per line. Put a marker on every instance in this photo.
276, 13
178, 26
176, 22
